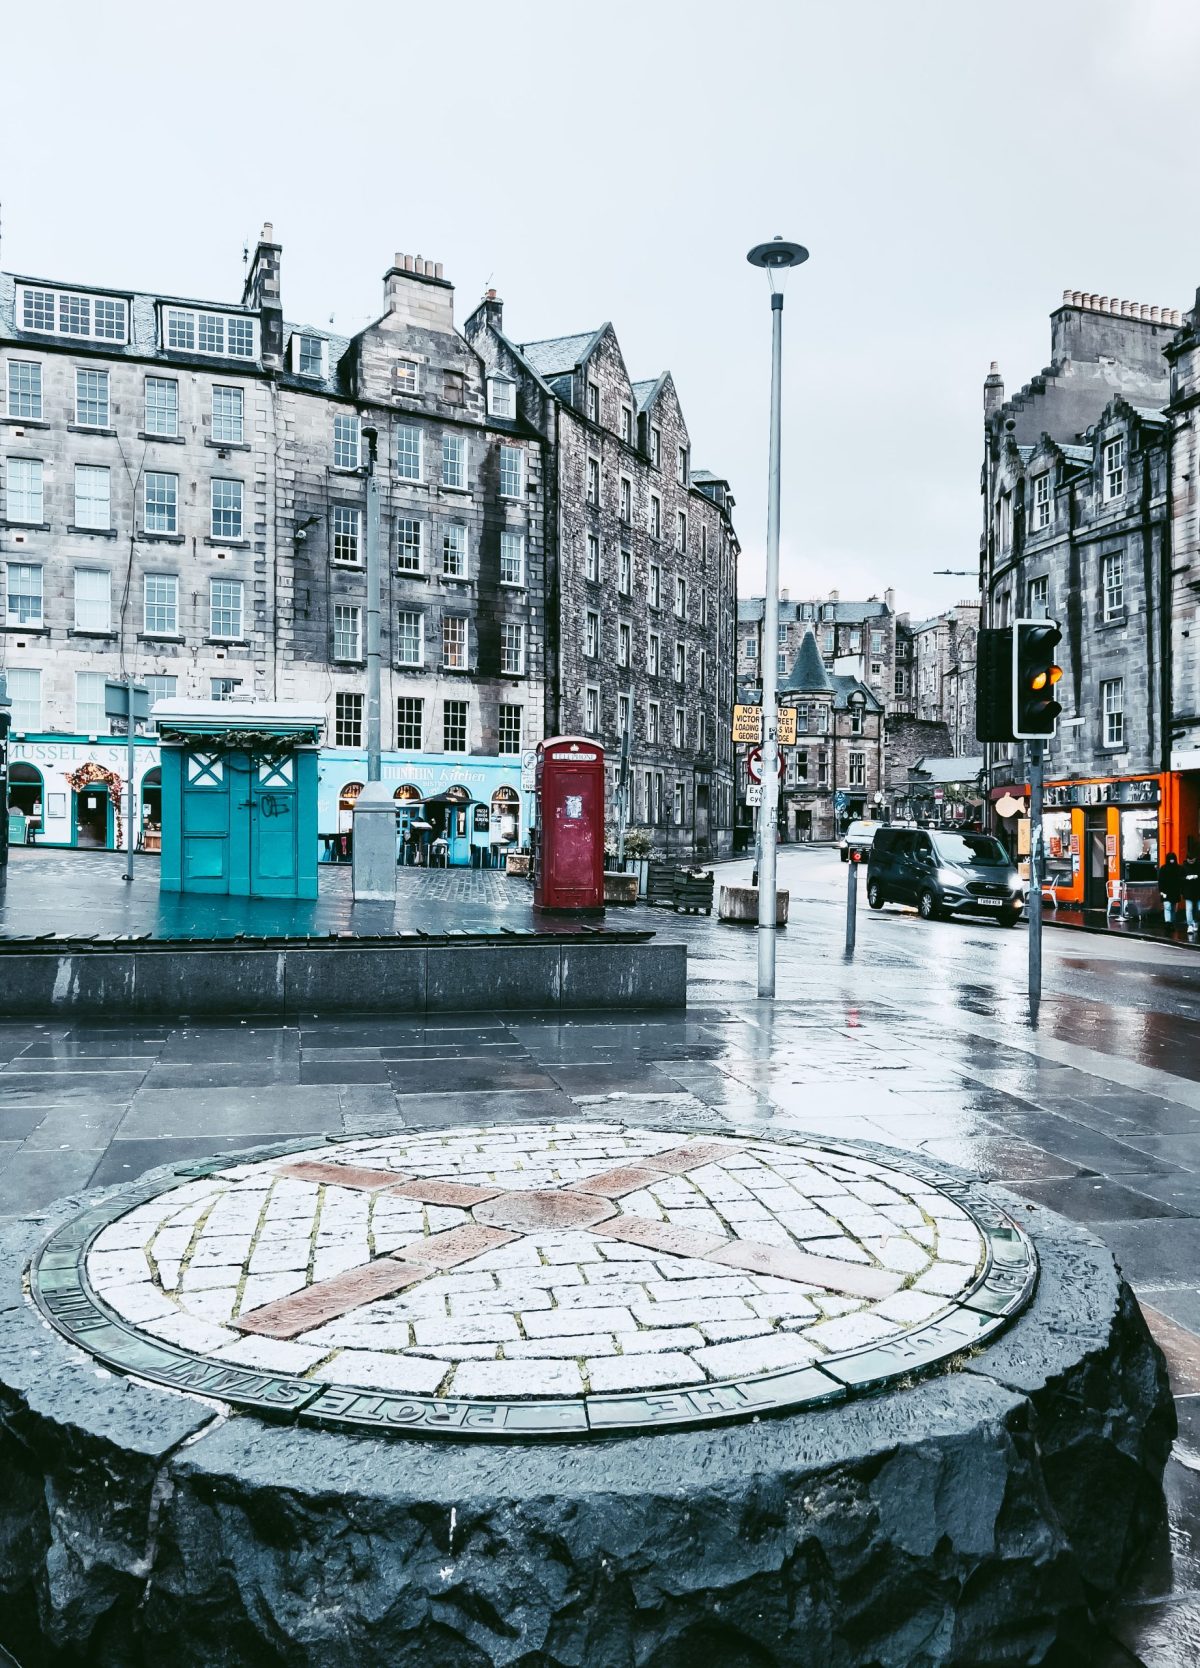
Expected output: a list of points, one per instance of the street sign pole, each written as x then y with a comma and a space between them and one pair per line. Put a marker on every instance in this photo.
130, 728
1036, 779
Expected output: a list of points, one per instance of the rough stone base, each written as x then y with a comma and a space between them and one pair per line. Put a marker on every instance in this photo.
966, 1519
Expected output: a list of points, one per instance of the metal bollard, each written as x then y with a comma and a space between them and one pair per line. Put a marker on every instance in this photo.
851, 900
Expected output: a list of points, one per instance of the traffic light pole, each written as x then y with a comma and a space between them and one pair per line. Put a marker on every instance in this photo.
1034, 908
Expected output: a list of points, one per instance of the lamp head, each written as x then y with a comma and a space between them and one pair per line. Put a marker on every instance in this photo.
778, 258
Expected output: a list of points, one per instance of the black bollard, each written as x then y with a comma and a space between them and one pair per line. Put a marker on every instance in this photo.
851, 901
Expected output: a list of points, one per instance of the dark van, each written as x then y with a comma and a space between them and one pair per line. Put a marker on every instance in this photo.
940, 873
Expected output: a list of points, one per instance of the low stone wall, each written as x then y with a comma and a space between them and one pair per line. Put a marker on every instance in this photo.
740, 903
350, 977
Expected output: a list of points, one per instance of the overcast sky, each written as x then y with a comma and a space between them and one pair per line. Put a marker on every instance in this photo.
951, 165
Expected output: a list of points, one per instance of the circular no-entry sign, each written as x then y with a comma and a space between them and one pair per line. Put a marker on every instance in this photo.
754, 764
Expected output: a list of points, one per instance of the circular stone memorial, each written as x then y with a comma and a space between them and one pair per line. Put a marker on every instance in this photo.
566, 1394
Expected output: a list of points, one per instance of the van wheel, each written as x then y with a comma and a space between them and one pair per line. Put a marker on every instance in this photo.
927, 905
875, 895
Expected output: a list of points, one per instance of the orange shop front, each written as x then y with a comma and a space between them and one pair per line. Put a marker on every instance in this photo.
1099, 833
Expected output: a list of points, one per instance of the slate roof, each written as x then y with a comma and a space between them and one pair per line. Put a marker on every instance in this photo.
947, 770
644, 392
559, 354
808, 675
750, 608
1149, 413
844, 613
1076, 454
843, 688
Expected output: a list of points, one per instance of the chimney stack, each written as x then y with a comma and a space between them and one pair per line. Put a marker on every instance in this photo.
261, 291
993, 389
416, 294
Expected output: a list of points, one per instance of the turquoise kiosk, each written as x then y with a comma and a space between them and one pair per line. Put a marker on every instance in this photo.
239, 797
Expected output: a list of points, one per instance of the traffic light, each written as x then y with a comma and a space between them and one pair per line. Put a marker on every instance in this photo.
1035, 709
994, 684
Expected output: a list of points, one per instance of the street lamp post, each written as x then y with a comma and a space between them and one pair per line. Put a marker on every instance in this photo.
778, 258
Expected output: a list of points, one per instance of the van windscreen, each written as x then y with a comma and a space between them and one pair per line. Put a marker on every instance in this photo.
968, 851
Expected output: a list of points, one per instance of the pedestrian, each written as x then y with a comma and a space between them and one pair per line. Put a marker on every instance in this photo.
1170, 876
1189, 888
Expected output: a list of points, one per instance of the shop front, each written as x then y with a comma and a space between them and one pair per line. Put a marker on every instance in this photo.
72, 792
451, 811
1103, 838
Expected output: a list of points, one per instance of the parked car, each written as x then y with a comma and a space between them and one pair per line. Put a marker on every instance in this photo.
859, 836
940, 873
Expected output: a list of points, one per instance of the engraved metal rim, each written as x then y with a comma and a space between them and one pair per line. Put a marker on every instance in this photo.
1006, 1284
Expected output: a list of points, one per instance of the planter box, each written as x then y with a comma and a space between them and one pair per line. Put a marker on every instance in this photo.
694, 890
660, 884
740, 903
516, 863
620, 889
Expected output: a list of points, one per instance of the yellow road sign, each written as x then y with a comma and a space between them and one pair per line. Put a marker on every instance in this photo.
747, 724
787, 726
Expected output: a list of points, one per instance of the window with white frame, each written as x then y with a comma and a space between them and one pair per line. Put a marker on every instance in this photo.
591, 634
857, 768
408, 452
591, 710
406, 376
652, 721
454, 726
780, 663
454, 642
346, 545
681, 465
93, 502
161, 503
454, 460
654, 587
160, 605
162, 406
25, 693
593, 401
1113, 579
160, 686
593, 480
625, 581
454, 552
1112, 705
310, 355
1114, 468
347, 631
1037, 597
509, 729
751, 648
1042, 502
226, 509
512, 471
228, 415
502, 397
224, 335
681, 531
655, 447
653, 649
62, 314
90, 716
624, 642
225, 608
680, 662
93, 599
512, 558
410, 637
410, 722
680, 804
627, 425
347, 718
408, 545
655, 520
91, 399
23, 594
512, 648
680, 597
592, 558
680, 726
345, 442
25, 389
626, 498
624, 712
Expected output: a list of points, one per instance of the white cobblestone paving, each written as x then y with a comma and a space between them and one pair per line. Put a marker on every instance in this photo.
555, 1311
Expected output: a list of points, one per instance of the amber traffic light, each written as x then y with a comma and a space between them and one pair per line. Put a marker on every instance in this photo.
1035, 673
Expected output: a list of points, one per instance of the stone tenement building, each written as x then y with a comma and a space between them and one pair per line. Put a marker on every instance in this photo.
1077, 525
854, 639
942, 682
1182, 647
642, 566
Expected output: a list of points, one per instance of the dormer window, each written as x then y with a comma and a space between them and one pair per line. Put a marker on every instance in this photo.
593, 401
1114, 469
681, 465
655, 447
310, 356
221, 334
627, 425
1041, 502
502, 397
61, 313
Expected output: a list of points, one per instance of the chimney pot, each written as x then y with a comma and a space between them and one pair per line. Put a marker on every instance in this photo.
267, 234
399, 260
1067, 297
1176, 316
437, 269
1154, 313
1104, 304
490, 295
408, 264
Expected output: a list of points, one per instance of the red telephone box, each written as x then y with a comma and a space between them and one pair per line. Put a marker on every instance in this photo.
569, 852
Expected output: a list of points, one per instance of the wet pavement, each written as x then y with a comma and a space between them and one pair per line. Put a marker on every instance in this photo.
922, 1040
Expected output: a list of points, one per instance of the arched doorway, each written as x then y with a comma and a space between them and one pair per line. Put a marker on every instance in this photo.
25, 791
96, 813
346, 801
412, 830
150, 833
505, 827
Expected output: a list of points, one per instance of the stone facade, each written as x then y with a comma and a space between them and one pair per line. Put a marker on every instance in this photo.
942, 684
855, 639
642, 576
1182, 648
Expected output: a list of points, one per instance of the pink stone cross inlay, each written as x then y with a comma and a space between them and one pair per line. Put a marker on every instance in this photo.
506, 1214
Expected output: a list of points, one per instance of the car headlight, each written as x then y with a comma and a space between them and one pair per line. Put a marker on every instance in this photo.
949, 877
